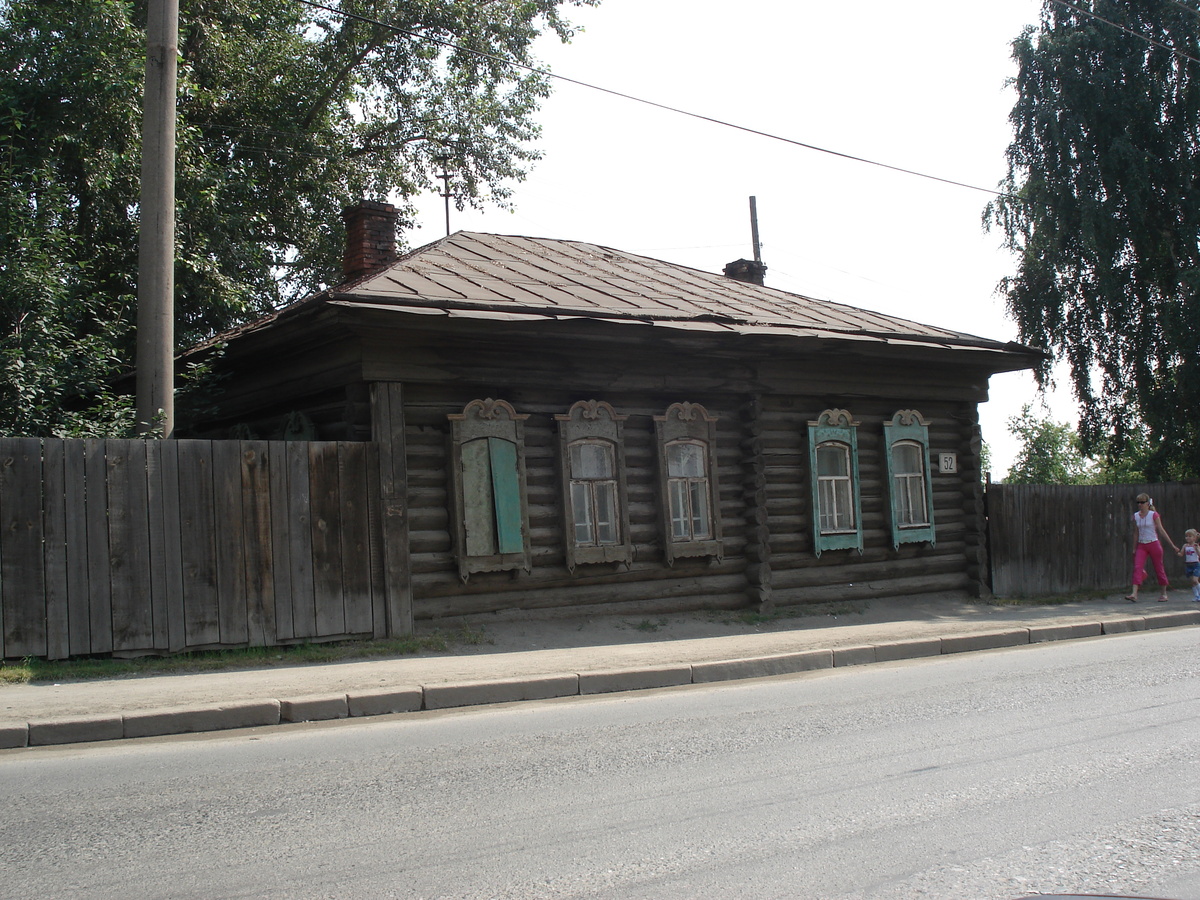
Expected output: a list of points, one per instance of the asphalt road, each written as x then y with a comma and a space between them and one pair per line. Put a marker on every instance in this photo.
1046, 768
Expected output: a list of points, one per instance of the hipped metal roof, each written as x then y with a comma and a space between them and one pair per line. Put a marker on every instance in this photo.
488, 276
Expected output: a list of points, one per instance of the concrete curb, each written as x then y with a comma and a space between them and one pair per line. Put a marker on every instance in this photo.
312, 708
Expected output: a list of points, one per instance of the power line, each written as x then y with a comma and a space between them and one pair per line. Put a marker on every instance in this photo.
663, 106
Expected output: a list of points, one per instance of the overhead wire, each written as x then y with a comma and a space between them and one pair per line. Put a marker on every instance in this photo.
663, 106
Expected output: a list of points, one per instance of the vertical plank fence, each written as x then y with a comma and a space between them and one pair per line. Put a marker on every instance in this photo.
1045, 540
137, 547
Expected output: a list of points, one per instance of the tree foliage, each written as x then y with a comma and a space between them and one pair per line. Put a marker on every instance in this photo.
286, 113
1050, 452
1103, 211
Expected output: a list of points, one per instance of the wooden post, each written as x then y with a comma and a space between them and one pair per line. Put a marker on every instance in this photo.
387, 429
156, 239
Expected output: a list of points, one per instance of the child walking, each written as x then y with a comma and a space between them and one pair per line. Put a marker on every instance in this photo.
1149, 526
1190, 551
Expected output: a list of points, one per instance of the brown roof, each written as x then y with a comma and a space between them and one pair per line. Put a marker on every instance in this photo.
503, 276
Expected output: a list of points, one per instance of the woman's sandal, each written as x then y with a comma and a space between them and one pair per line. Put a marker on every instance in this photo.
1162, 599
1132, 598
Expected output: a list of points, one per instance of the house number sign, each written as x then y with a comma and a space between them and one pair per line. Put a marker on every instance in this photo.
948, 463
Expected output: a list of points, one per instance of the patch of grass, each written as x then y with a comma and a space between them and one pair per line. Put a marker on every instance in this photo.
35, 671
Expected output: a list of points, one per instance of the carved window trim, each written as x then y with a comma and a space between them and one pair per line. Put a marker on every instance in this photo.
835, 428
593, 422
908, 428
690, 424
491, 504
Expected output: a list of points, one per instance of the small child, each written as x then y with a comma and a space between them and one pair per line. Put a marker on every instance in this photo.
1190, 551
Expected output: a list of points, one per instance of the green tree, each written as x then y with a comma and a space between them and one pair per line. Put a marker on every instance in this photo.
1102, 208
1050, 452
286, 114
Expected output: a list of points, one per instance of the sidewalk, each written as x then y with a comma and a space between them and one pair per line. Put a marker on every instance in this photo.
526, 658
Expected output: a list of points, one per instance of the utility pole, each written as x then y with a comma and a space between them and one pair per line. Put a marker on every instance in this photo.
156, 240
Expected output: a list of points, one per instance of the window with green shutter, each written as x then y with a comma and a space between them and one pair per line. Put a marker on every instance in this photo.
833, 466
910, 489
488, 469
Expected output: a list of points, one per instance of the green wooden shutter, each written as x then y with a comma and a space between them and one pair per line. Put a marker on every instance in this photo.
479, 519
506, 492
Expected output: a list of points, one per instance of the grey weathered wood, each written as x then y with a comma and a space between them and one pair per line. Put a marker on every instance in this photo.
325, 499
300, 540
281, 544
354, 533
75, 532
202, 613
54, 521
129, 546
22, 572
173, 535
98, 580
258, 543
230, 563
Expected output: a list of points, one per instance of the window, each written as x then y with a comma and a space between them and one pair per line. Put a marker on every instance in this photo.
592, 453
910, 488
688, 482
488, 467
833, 461
687, 490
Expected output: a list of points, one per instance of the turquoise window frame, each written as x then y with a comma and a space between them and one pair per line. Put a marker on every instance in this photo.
835, 426
908, 426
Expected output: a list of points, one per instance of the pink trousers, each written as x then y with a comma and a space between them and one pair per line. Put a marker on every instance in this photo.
1153, 550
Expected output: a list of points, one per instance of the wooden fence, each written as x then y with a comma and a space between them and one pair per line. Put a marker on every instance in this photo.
132, 547
1057, 539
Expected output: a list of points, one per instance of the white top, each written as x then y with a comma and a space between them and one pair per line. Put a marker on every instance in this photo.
1147, 533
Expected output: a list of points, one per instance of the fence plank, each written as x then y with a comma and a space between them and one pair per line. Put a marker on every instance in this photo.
229, 542
98, 580
202, 615
355, 534
281, 540
325, 498
256, 528
129, 546
54, 521
300, 539
172, 545
22, 572
76, 570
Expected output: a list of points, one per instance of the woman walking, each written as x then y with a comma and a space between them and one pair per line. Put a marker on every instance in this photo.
1149, 526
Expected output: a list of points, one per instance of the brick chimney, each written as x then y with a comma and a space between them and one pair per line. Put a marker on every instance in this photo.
746, 270
370, 238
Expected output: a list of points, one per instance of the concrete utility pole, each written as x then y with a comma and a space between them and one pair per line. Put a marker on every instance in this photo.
156, 241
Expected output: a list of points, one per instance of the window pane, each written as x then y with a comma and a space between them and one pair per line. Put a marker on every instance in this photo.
677, 493
837, 510
699, 496
833, 459
590, 459
912, 501
685, 460
906, 459
581, 504
606, 512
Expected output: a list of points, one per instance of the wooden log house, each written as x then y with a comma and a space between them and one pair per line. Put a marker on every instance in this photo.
571, 426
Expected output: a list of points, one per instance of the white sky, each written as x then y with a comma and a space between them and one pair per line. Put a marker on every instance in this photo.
918, 85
